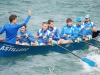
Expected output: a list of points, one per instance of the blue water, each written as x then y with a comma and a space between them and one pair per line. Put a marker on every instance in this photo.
52, 63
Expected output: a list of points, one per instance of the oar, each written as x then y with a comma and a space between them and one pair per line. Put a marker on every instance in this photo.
96, 40
86, 60
90, 43
87, 42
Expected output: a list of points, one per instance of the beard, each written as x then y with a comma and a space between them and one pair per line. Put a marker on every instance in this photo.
50, 27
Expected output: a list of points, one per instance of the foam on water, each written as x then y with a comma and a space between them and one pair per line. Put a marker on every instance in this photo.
94, 56
92, 48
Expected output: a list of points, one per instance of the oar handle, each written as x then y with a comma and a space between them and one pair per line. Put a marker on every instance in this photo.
69, 51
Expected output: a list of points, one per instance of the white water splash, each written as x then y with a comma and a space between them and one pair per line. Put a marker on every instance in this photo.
92, 48
94, 57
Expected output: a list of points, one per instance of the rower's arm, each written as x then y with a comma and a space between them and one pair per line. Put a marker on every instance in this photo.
94, 29
50, 39
31, 38
24, 23
26, 20
18, 36
75, 33
62, 32
56, 35
50, 35
37, 35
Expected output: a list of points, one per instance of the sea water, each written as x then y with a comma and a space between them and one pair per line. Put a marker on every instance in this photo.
52, 63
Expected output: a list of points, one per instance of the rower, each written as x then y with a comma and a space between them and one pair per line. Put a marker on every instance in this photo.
89, 28
53, 30
67, 32
79, 29
44, 35
25, 37
12, 28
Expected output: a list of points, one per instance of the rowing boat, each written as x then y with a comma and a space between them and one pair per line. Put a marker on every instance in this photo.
7, 49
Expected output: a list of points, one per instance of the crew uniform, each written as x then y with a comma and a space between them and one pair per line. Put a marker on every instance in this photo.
69, 31
23, 39
54, 31
79, 31
46, 33
88, 27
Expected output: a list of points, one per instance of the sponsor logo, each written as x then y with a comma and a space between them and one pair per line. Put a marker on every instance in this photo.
12, 48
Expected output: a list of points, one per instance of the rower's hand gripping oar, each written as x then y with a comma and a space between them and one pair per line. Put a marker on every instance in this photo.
86, 60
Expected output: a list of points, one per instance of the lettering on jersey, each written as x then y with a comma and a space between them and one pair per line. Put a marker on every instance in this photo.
12, 48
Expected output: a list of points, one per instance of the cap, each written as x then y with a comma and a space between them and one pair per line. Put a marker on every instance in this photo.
78, 19
87, 16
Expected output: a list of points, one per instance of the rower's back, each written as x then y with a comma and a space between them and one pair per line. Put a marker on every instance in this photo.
11, 32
